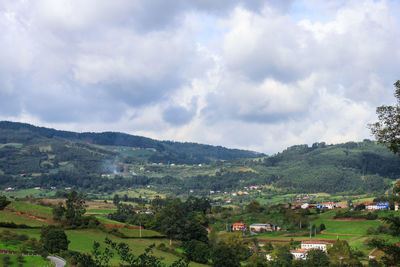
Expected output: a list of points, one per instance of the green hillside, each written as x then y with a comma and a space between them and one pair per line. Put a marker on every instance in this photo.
113, 162
12, 133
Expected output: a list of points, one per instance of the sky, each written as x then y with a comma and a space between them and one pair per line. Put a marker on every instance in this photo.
260, 75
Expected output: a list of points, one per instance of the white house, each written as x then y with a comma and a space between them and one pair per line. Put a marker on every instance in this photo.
305, 206
328, 205
299, 254
310, 244
264, 227
376, 206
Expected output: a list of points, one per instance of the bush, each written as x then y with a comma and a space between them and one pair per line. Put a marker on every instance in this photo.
197, 251
371, 216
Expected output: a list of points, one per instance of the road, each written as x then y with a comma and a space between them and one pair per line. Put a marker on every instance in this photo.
57, 261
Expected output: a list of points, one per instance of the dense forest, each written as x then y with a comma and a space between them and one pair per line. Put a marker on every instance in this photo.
165, 151
32, 156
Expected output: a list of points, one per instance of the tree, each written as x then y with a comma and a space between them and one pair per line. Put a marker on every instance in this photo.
253, 207
387, 129
3, 202
341, 254
171, 219
53, 239
317, 258
197, 251
387, 132
392, 251
58, 211
75, 207
116, 199
143, 260
224, 255
282, 257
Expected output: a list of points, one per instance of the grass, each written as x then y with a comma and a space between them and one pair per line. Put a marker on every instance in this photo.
82, 241
104, 219
100, 211
288, 236
359, 244
136, 233
16, 145
32, 233
344, 227
29, 192
27, 261
20, 219
31, 209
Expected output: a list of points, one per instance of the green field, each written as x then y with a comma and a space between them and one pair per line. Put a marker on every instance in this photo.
344, 227
16, 145
29, 192
99, 211
32, 233
31, 209
104, 219
82, 241
19, 219
136, 233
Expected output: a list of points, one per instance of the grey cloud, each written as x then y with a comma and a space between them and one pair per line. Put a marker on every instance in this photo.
178, 115
159, 14
123, 64
139, 93
10, 104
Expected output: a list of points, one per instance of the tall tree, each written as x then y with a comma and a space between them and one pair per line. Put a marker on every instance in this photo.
387, 128
317, 258
54, 239
75, 207
387, 131
224, 255
341, 254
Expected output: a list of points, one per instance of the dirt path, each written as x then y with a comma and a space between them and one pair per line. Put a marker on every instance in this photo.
340, 234
29, 216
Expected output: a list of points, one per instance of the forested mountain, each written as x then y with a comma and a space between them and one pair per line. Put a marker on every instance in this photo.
164, 151
34, 156
364, 166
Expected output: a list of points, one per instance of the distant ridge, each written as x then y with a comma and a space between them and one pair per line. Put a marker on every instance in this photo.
167, 151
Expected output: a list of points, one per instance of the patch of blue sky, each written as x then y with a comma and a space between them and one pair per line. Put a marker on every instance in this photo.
309, 10
210, 30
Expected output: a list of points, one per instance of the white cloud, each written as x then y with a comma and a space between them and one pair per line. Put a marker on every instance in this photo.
264, 77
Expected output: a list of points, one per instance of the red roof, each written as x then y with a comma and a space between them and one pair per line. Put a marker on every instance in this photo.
239, 224
299, 251
369, 203
314, 242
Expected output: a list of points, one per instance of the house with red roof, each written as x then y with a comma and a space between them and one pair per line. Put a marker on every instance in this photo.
239, 226
314, 244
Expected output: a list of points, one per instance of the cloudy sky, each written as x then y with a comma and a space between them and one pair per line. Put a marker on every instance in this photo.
260, 75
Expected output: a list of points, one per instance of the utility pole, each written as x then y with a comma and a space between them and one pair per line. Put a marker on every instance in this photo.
310, 230
140, 227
